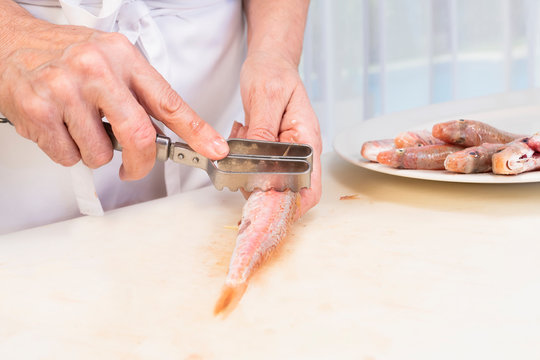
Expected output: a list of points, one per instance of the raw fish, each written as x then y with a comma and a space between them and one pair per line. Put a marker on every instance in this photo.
266, 219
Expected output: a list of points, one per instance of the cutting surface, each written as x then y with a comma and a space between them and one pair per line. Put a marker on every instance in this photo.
406, 269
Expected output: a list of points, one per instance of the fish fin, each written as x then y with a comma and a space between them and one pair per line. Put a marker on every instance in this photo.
229, 298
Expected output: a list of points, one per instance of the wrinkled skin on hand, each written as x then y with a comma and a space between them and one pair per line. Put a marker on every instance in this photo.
277, 108
57, 84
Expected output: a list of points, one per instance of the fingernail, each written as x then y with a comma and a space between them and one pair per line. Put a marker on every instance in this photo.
221, 147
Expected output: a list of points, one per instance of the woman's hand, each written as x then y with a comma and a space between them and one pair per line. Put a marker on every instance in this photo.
277, 108
57, 82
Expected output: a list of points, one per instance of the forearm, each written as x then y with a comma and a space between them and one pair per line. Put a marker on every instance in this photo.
13, 20
276, 26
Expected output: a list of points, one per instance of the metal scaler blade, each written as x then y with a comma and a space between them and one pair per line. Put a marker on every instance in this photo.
250, 165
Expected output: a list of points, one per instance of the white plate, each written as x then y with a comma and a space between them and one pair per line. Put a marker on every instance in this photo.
520, 120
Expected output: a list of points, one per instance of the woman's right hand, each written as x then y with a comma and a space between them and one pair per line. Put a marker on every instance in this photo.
57, 82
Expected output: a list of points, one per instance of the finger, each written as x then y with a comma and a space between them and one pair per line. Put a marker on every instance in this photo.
133, 129
235, 130
238, 131
264, 110
299, 121
310, 197
57, 143
88, 132
242, 132
40, 121
300, 125
85, 127
164, 104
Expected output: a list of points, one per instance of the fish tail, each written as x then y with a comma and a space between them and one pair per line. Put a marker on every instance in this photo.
229, 298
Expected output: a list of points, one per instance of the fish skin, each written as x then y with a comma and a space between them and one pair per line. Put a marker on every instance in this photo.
515, 158
370, 149
416, 138
429, 157
266, 220
469, 133
476, 159
534, 142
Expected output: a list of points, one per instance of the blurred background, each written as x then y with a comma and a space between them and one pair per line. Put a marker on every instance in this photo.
365, 58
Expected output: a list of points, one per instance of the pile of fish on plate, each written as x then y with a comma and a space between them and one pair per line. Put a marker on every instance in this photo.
460, 146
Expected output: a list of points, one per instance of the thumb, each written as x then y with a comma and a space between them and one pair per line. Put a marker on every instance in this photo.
263, 117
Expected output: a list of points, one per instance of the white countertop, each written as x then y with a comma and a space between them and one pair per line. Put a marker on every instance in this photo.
410, 269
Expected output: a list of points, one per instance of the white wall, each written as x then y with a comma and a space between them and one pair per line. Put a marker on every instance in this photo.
364, 58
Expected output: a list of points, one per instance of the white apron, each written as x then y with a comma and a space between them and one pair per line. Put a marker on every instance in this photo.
197, 45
